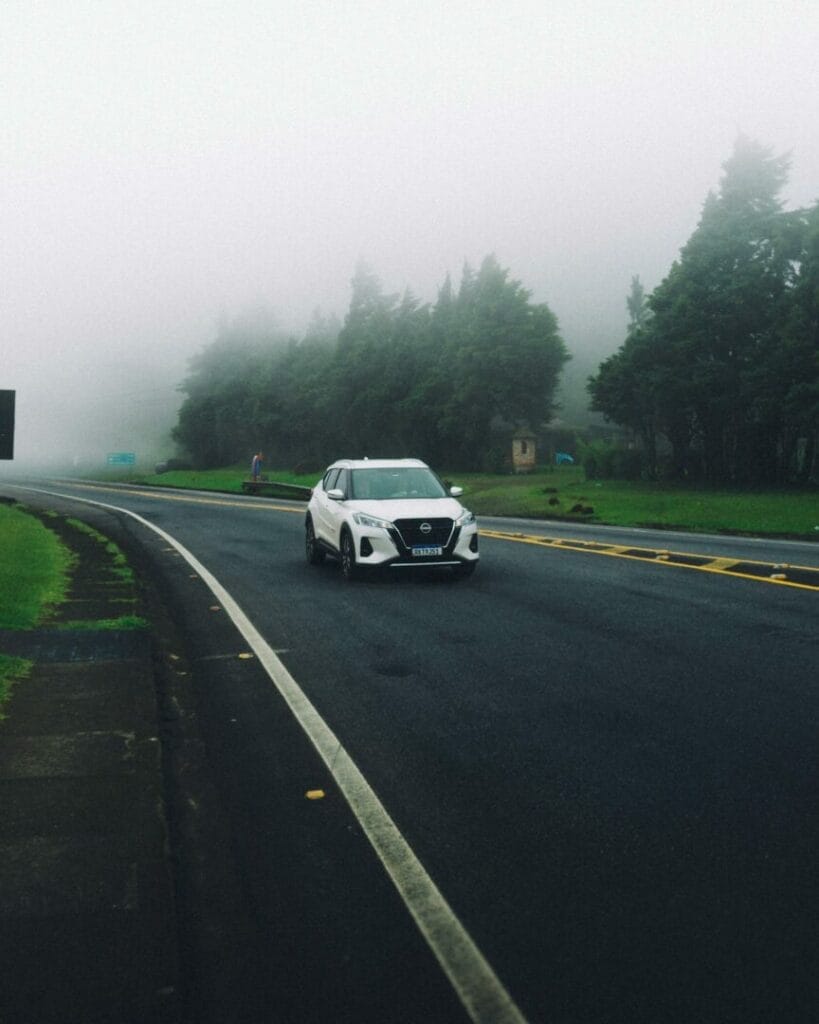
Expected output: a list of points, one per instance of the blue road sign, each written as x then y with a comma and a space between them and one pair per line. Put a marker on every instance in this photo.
121, 458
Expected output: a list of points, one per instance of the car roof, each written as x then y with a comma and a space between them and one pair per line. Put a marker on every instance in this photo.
378, 464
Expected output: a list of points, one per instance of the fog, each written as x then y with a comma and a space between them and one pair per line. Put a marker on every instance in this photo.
163, 166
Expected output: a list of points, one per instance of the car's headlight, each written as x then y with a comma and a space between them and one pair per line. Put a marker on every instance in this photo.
467, 518
362, 519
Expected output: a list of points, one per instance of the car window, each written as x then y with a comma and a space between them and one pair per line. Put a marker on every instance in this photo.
329, 479
342, 482
396, 482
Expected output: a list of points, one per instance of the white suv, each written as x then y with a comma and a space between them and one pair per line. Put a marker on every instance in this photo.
389, 512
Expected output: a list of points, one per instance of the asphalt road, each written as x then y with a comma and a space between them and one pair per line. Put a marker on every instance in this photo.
608, 766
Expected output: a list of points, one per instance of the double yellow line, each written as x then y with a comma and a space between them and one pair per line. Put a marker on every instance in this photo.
802, 577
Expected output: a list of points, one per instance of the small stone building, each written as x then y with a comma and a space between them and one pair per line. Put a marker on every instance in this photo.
523, 451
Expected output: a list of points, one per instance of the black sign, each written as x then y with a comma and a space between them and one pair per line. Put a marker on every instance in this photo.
7, 424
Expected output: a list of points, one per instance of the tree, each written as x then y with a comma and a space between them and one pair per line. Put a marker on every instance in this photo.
228, 398
710, 354
638, 311
505, 355
399, 379
797, 355
625, 390
718, 308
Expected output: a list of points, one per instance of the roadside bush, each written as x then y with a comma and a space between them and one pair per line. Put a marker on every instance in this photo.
602, 460
309, 466
172, 464
496, 460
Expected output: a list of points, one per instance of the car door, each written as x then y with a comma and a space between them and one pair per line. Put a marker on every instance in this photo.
323, 520
335, 509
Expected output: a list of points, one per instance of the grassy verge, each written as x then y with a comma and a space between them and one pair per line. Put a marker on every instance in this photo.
121, 622
564, 493
12, 670
34, 576
228, 479
120, 567
34, 569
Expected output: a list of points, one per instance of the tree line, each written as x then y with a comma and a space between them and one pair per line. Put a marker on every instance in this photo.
447, 382
719, 374
717, 379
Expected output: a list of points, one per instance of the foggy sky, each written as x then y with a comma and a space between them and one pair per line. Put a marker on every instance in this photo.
163, 165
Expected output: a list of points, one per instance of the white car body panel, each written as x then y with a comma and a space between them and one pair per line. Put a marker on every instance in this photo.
434, 531
407, 508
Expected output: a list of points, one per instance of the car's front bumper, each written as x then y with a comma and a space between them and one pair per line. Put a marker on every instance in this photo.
376, 547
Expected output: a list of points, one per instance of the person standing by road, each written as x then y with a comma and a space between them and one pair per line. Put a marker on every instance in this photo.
256, 467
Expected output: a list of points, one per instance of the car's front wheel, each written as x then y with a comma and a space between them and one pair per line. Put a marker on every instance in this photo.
348, 564
312, 548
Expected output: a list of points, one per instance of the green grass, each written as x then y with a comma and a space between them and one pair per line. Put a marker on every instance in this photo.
228, 479
12, 670
34, 569
556, 493
121, 622
34, 577
119, 567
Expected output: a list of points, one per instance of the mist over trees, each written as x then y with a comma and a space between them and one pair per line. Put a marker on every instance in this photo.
717, 379
719, 373
447, 382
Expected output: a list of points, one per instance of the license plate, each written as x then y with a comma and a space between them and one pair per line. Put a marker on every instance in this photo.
423, 551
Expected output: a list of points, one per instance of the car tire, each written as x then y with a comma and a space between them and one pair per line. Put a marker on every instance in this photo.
312, 548
349, 568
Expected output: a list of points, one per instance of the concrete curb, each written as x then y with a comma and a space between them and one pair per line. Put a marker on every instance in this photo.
88, 924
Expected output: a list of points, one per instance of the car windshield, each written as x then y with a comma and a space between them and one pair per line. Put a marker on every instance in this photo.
391, 482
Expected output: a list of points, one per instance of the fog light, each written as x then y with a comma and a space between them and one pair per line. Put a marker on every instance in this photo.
473, 542
366, 547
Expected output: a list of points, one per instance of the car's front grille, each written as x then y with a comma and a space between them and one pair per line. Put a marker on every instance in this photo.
414, 532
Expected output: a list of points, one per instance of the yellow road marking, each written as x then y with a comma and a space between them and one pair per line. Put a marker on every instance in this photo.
724, 563
715, 564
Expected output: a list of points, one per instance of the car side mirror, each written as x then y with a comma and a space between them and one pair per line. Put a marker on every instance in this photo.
456, 492
335, 494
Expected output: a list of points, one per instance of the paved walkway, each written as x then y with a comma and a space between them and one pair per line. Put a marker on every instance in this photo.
87, 922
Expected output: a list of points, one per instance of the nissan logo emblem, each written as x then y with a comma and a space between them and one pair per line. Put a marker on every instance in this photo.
425, 528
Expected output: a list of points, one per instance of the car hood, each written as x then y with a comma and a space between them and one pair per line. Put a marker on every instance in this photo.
409, 508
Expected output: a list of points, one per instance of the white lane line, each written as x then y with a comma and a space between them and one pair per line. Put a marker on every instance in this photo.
480, 990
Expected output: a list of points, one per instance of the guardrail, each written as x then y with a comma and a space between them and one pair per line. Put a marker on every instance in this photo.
274, 489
